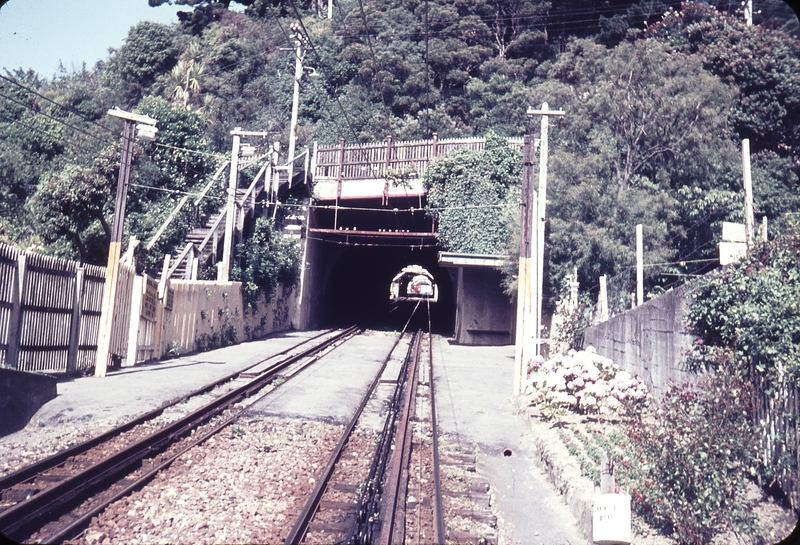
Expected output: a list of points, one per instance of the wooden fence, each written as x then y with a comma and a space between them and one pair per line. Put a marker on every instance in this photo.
381, 159
50, 312
776, 419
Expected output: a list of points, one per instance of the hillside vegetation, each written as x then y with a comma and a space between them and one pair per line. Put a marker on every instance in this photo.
658, 96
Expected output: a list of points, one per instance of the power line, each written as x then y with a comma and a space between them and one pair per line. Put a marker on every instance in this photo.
61, 139
375, 67
196, 152
373, 244
67, 108
319, 60
57, 120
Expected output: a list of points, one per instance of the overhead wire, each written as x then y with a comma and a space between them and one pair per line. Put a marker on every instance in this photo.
63, 139
57, 120
375, 70
55, 103
319, 60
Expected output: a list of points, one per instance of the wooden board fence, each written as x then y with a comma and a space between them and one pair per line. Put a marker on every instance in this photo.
776, 420
378, 160
8, 276
50, 312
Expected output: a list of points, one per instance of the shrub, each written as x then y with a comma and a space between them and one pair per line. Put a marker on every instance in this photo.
753, 308
584, 382
688, 460
267, 259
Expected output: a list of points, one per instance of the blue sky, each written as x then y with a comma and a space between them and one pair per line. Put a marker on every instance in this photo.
38, 34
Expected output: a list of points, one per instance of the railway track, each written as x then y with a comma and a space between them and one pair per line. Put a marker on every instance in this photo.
380, 483
383, 489
53, 499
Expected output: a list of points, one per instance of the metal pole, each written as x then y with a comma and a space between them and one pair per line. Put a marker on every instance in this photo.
114, 251
298, 75
224, 271
639, 265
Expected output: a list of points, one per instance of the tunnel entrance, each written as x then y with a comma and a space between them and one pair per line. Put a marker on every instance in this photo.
357, 290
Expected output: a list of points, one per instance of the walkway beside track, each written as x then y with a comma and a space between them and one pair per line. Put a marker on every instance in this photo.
474, 387
131, 391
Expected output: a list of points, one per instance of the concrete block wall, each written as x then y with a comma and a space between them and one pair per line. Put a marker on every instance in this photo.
203, 309
649, 341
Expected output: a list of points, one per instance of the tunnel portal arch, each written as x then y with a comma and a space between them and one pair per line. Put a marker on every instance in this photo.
357, 290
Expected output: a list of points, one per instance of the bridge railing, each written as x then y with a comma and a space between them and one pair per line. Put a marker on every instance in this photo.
382, 159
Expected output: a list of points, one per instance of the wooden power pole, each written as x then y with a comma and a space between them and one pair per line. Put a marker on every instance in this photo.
526, 282
146, 127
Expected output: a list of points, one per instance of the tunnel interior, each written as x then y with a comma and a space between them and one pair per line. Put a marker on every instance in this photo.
357, 290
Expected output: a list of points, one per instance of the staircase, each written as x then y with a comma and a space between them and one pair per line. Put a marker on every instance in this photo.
201, 243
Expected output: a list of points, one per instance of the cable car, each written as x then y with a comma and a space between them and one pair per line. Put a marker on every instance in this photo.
414, 283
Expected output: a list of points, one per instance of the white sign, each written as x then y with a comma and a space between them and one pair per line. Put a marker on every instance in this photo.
733, 232
611, 520
731, 252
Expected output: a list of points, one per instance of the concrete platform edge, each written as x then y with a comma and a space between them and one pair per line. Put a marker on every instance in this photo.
577, 490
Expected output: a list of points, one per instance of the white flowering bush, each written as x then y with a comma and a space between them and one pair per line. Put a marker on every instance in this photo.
583, 381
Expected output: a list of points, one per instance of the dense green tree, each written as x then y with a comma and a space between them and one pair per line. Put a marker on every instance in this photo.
182, 151
150, 50
642, 123
66, 203
763, 63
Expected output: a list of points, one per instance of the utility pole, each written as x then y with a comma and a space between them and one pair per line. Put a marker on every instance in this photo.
298, 75
639, 265
224, 270
747, 181
545, 112
146, 127
299, 70
526, 319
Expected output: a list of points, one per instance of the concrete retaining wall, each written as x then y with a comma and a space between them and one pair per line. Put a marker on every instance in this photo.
209, 314
21, 395
648, 341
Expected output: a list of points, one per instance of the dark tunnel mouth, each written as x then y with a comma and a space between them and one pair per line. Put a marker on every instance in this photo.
357, 290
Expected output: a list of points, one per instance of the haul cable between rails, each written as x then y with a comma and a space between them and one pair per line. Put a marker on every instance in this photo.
381, 504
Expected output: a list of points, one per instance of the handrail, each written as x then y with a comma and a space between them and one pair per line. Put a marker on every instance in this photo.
166, 223
180, 258
252, 186
210, 183
212, 230
182, 202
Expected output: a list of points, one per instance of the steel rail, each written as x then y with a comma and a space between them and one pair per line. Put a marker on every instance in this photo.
300, 527
369, 503
439, 536
29, 472
394, 486
24, 516
72, 529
